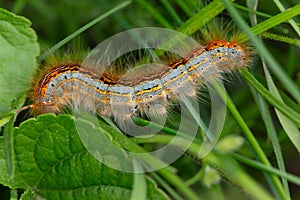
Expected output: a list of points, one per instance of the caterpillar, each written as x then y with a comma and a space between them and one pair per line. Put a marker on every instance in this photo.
145, 90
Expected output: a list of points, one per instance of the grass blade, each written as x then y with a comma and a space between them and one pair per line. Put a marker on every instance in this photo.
262, 50
292, 178
291, 21
202, 17
253, 142
289, 127
289, 112
82, 29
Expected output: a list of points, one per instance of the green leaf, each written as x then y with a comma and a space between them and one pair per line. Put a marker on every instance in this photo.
19, 48
53, 162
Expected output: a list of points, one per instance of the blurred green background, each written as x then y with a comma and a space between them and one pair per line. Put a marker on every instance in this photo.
56, 19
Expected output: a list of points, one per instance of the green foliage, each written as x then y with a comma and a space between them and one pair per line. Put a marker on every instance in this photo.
19, 49
45, 157
50, 159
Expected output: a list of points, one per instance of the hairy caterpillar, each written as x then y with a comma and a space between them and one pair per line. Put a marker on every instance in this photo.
145, 90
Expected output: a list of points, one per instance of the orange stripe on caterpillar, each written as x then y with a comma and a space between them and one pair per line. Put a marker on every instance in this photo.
146, 89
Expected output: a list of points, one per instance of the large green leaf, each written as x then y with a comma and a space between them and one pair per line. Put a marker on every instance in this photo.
53, 162
18, 51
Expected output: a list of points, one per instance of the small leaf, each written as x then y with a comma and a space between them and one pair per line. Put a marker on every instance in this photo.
19, 49
211, 177
53, 162
229, 144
